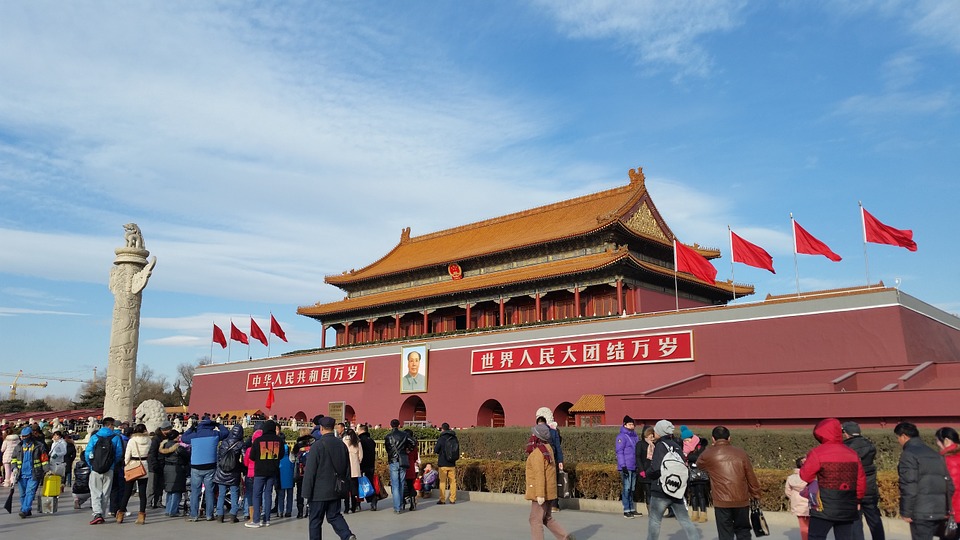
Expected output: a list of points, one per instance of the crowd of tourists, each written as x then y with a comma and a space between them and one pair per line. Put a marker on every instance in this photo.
212, 472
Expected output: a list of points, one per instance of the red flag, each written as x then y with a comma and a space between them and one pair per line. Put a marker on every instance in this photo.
237, 335
804, 242
689, 261
270, 398
218, 336
878, 233
750, 254
257, 333
275, 328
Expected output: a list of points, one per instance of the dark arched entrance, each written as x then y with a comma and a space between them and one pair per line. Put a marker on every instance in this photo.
350, 415
490, 414
413, 410
562, 415
300, 416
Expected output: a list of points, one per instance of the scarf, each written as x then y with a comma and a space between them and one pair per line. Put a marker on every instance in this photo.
534, 443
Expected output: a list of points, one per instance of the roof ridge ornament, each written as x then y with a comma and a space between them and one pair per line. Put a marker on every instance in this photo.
637, 177
405, 235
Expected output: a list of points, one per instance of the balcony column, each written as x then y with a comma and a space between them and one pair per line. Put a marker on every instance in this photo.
502, 322
426, 321
346, 333
370, 329
468, 316
576, 301
323, 336
396, 326
537, 306
619, 296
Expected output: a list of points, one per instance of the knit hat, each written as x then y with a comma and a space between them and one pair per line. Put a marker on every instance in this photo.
851, 428
627, 420
542, 432
685, 432
663, 428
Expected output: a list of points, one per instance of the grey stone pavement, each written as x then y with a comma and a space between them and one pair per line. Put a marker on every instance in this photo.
475, 516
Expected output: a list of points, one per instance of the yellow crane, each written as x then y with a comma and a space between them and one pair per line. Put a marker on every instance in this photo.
42, 384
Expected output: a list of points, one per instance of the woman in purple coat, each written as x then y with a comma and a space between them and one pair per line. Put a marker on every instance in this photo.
627, 463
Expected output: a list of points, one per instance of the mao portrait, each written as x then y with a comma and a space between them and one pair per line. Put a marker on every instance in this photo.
413, 369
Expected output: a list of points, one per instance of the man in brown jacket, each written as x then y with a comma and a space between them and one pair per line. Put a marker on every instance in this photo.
733, 484
541, 479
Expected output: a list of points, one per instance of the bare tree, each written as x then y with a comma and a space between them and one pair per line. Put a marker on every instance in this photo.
184, 384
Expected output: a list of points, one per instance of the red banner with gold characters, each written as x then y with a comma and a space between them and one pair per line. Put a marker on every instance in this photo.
306, 375
614, 351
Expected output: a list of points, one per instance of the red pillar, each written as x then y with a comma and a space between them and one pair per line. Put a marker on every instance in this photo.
370, 330
619, 296
468, 316
346, 333
323, 336
426, 320
502, 322
576, 301
396, 326
537, 306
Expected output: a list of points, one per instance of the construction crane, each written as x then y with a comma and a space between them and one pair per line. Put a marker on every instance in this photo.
42, 384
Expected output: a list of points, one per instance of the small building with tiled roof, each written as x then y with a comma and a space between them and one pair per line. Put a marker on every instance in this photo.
607, 253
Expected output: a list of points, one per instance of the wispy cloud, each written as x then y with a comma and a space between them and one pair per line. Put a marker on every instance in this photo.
659, 34
10, 311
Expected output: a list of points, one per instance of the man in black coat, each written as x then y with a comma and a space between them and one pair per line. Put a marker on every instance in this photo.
869, 508
925, 486
369, 462
326, 478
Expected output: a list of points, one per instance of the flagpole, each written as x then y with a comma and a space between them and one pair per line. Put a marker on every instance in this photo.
676, 291
230, 342
796, 268
866, 261
733, 279
248, 341
211, 345
268, 335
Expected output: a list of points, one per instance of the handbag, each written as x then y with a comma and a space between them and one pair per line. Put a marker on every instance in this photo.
134, 471
417, 485
378, 486
698, 475
947, 529
365, 488
563, 485
759, 523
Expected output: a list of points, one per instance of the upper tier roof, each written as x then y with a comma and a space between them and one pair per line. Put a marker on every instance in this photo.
558, 221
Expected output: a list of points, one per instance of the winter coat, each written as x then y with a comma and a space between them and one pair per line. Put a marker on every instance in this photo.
117, 445
286, 468
303, 444
10, 443
369, 460
626, 448
438, 449
266, 453
411, 472
248, 463
395, 442
867, 452
58, 454
81, 477
951, 455
699, 445
232, 444
838, 472
799, 505
176, 466
326, 460
541, 476
138, 449
154, 459
356, 456
660, 448
925, 485
203, 440
556, 443
733, 484
31, 453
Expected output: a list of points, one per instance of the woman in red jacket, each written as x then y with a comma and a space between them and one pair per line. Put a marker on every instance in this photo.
949, 443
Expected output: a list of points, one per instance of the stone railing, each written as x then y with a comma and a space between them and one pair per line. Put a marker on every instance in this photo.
424, 446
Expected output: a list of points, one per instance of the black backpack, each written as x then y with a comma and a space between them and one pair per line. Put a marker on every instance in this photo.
229, 460
451, 449
103, 454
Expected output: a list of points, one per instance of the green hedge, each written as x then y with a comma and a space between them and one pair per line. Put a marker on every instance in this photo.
768, 448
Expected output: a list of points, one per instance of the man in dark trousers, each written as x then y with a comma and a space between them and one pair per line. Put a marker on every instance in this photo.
868, 505
925, 486
447, 450
326, 478
733, 483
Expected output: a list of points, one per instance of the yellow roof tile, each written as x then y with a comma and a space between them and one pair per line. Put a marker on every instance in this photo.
589, 403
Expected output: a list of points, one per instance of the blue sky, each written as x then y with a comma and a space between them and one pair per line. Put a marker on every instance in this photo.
262, 146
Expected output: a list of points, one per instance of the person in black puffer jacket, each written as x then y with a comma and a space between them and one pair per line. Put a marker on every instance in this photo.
397, 444
869, 508
81, 482
925, 485
369, 462
176, 468
300, 449
228, 454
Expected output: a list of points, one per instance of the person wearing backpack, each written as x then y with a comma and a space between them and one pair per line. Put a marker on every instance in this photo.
447, 450
227, 475
203, 440
668, 476
733, 484
104, 450
300, 450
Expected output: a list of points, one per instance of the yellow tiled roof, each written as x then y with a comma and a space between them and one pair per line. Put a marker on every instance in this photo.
566, 219
589, 403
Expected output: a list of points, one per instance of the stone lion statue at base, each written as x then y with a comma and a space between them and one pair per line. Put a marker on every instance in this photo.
151, 413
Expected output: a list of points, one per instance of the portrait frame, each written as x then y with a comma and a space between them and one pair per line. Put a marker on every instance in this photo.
406, 386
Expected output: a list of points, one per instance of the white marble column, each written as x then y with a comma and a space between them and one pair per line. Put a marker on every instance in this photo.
128, 277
